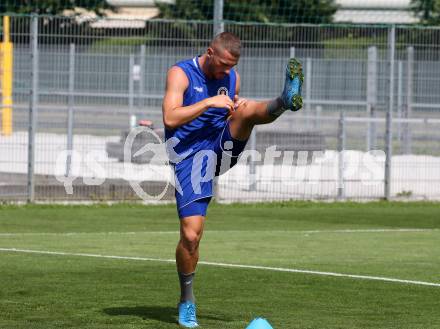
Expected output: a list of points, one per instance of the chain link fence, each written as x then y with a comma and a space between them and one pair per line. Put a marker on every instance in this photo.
78, 90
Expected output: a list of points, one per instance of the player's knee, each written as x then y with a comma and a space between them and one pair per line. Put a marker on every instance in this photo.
190, 241
245, 114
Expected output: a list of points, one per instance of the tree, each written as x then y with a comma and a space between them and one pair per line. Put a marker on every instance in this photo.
427, 10
49, 7
263, 11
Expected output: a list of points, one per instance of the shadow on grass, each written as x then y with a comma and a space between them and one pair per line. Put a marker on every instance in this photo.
159, 313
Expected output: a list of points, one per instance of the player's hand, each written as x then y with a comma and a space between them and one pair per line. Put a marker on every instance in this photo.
221, 101
239, 102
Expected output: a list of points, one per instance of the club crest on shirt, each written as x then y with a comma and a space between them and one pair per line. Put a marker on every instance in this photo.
223, 91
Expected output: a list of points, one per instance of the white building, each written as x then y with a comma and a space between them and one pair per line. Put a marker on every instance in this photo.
350, 11
375, 12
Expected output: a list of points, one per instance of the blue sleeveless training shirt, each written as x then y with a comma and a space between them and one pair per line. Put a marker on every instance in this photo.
194, 134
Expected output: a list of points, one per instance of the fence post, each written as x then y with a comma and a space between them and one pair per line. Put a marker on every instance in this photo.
308, 79
389, 117
141, 77
131, 92
371, 96
409, 99
6, 78
399, 99
252, 168
317, 123
71, 102
341, 149
219, 26
33, 108
292, 52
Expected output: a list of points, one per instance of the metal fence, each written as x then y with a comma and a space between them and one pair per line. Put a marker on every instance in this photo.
345, 168
78, 88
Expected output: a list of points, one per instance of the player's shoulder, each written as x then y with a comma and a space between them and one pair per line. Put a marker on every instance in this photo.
186, 65
237, 75
184, 62
176, 70
176, 74
181, 68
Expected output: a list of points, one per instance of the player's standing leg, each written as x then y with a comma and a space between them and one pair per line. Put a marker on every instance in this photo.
187, 256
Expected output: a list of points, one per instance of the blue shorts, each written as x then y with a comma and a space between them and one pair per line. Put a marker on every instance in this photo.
195, 174
197, 207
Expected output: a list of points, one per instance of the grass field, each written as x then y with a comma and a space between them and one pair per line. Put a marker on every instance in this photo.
80, 288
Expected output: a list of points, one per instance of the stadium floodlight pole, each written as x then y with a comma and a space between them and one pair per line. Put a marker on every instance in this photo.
33, 107
389, 123
219, 26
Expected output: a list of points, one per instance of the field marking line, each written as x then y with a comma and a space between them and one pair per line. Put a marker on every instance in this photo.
401, 230
229, 265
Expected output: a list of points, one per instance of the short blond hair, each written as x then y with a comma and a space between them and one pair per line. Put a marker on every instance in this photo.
228, 41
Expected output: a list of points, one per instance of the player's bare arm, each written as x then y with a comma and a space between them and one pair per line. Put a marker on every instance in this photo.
174, 113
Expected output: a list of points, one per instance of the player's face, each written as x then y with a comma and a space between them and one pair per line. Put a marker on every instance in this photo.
221, 62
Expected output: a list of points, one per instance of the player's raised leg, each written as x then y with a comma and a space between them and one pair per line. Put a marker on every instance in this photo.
254, 112
187, 256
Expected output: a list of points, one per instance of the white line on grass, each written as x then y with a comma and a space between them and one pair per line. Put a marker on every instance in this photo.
399, 230
255, 267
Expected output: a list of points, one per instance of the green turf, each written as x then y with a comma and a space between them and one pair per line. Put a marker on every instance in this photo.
55, 291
